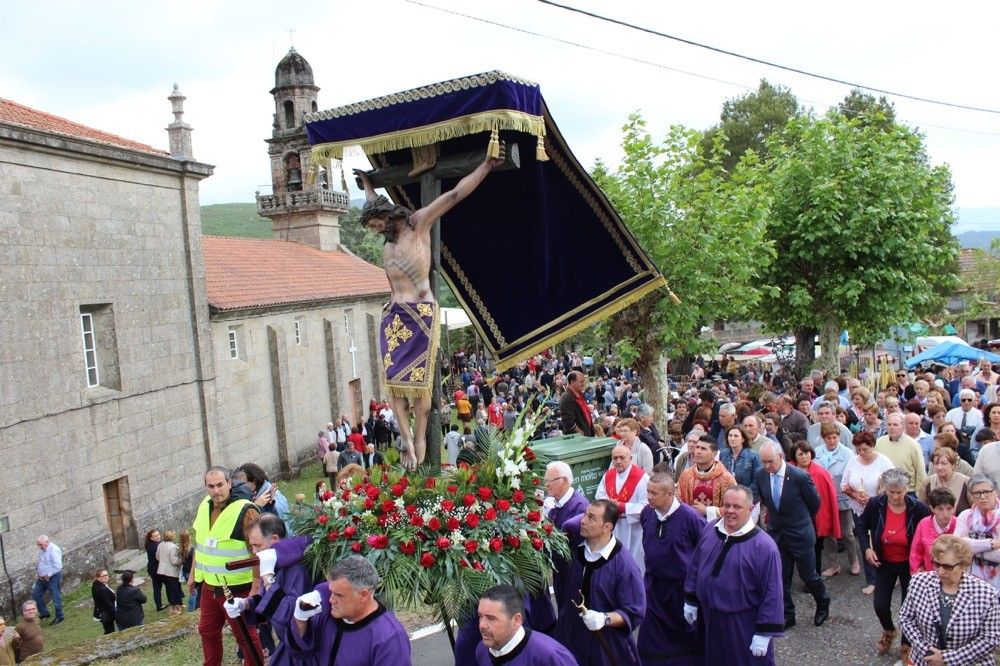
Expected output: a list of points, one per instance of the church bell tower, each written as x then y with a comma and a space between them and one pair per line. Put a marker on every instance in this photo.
299, 210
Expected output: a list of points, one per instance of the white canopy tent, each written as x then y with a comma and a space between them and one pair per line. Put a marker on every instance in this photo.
454, 318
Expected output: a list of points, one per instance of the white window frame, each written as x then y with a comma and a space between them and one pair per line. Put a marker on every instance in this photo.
297, 327
234, 347
348, 322
89, 349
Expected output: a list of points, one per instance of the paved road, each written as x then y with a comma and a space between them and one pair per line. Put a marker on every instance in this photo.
848, 637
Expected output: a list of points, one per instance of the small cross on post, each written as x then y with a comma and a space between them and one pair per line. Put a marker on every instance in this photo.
291, 31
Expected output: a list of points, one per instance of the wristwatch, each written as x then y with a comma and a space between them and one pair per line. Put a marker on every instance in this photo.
607, 619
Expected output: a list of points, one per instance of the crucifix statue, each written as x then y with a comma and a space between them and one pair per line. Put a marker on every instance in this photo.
410, 328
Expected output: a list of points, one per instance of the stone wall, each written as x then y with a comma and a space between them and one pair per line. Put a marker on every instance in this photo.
89, 226
301, 381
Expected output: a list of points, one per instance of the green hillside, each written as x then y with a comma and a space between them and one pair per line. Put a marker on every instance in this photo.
234, 219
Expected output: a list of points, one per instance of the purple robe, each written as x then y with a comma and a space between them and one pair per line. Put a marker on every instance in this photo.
608, 585
277, 605
536, 612
666, 638
377, 639
559, 516
736, 584
536, 649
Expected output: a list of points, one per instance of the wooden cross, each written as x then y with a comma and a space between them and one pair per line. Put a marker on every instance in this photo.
428, 169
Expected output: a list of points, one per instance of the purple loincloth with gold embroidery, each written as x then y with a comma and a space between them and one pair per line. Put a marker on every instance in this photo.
408, 341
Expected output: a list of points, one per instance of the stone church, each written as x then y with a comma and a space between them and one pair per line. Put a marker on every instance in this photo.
135, 352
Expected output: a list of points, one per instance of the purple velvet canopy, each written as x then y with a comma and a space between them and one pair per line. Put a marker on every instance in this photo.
535, 254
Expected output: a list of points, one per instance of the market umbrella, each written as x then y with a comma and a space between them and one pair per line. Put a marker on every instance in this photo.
950, 353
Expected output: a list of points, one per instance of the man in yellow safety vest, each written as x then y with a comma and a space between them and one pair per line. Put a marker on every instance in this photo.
220, 528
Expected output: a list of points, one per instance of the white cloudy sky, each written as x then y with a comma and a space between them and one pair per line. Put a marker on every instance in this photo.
111, 64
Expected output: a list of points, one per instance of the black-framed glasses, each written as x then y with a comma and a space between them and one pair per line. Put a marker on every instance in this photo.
943, 566
981, 493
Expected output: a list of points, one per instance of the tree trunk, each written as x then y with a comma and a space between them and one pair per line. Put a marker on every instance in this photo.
805, 350
830, 345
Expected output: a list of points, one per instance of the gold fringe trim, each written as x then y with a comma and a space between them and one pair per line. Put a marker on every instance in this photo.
584, 323
486, 121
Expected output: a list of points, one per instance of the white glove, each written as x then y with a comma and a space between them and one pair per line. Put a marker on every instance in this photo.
311, 598
594, 620
758, 645
268, 558
690, 613
549, 503
235, 606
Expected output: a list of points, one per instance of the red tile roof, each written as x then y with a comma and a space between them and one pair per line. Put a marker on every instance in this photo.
258, 272
12, 113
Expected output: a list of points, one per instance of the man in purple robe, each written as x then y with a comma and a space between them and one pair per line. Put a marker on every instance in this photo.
734, 584
282, 585
562, 502
358, 630
506, 640
607, 598
670, 533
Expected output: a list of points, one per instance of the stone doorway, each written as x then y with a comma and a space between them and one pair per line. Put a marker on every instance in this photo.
118, 505
356, 401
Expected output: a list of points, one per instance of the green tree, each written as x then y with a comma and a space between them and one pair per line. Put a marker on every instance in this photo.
861, 221
363, 242
747, 121
703, 228
867, 109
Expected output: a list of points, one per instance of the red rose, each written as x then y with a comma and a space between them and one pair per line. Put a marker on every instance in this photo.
378, 541
346, 495
388, 506
453, 524
349, 531
332, 536
537, 543
327, 495
410, 509
534, 516
463, 465
469, 499
323, 519
452, 489
434, 523
372, 492
471, 546
472, 520
343, 511
421, 536
503, 505
536, 481
369, 503
444, 543
427, 560
485, 493
529, 456
429, 483
397, 490
472, 478
547, 527
417, 520
490, 514
513, 541
356, 546
357, 487
447, 505
407, 547
383, 520
478, 566
496, 544
461, 563
518, 496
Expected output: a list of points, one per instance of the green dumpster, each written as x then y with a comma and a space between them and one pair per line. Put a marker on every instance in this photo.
588, 457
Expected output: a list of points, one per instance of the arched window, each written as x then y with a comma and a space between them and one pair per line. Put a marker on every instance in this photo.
314, 107
293, 173
289, 114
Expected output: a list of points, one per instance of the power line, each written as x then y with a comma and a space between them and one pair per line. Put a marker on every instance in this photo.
649, 63
766, 62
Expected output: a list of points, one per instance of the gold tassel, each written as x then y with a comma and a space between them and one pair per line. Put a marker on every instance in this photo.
540, 154
493, 151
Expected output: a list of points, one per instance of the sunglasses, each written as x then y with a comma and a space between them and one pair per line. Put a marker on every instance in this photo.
967, 400
943, 566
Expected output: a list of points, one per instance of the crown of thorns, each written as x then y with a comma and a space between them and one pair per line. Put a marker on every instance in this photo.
380, 206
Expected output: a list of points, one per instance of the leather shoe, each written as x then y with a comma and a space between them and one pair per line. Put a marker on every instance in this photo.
822, 613
56, 621
789, 622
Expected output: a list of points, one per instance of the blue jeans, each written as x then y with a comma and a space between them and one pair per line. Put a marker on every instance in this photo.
52, 586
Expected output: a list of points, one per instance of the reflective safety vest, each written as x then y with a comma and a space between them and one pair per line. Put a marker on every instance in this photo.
214, 545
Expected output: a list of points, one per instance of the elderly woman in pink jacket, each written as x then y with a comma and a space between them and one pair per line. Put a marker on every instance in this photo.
942, 503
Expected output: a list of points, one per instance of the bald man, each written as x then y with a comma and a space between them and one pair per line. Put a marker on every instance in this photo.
625, 485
